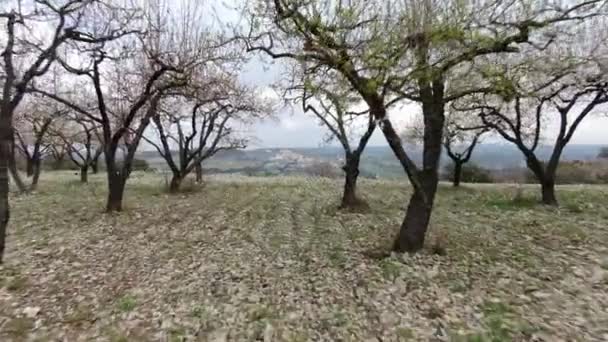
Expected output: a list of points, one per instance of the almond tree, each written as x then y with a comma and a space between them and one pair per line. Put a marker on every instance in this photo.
563, 86
201, 124
33, 32
79, 135
460, 137
420, 50
129, 77
32, 125
521, 123
331, 107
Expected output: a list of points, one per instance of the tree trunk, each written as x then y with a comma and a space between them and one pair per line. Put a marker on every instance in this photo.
415, 224
548, 192
457, 174
29, 168
351, 169
545, 177
36, 174
176, 182
198, 169
12, 164
116, 189
6, 139
84, 174
94, 167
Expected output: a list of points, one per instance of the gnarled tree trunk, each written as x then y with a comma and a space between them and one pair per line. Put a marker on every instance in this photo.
198, 169
415, 224
116, 189
457, 174
6, 145
36, 173
12, 164
29, 167
351, 170
417, 217
84, 173
548, 192
176, 182
94, 167
545, 177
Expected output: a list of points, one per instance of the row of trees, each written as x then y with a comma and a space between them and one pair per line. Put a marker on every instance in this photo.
470, 67
504, 67
110, 75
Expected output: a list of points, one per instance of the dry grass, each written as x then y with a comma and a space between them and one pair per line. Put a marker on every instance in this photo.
249, 258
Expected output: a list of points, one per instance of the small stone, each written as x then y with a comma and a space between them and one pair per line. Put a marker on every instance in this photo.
31, 311
219, 335
541, 295
268, 332
598, 276
166, 324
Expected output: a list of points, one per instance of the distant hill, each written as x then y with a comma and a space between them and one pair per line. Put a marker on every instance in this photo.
377, 161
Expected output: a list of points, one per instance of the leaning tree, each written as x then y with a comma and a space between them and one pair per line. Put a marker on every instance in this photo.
420, 50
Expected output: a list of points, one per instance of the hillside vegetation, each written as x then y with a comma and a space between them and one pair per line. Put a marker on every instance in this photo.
241, 259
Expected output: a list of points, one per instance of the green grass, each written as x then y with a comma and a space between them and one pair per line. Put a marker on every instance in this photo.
126, 303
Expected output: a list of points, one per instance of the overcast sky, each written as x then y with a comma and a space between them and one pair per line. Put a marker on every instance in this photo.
293, 128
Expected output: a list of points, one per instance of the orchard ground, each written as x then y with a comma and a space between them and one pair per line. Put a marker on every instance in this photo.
241, 259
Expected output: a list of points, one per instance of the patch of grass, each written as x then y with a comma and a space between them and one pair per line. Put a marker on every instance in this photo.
19, 327
458, 286
126, 303
502, 324
259, 313
390, 269
360, 206
574, 208
80, 315
16, 284
337, 257
336, 318
405, 334
176, 334
516, 203
199, 312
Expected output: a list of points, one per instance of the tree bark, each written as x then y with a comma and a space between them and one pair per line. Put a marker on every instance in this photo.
546, 178
116, 189
176, 182
413, 230
457, 174
6, 144
36, 173
12, 164
84, 174
415, 224
29, 167
548, 192
351, 169
198, 169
